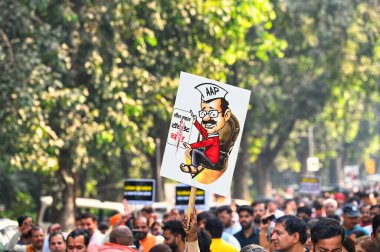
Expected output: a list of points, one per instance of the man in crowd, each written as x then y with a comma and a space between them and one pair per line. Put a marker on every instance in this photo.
89, 222
374, 210
202, 218
37, 240
259, 211
146, 240
351, 216
214, 226
249, 233
55, 227
365, 219
224, 213
327, 235
376, 231
56, 242
330, 206
121, 240
174, 235
289, 234
25, 224
78, 241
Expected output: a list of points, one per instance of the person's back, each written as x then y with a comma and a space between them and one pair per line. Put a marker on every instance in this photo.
121, 240
215, 227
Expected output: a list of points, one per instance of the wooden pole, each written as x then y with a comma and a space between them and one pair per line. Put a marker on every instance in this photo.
191, 205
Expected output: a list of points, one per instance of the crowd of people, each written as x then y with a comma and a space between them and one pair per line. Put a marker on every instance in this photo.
332, 223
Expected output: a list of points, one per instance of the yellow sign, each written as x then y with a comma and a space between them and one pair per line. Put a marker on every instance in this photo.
370, 166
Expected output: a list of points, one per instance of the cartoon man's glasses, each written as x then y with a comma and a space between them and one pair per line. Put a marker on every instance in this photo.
212, 113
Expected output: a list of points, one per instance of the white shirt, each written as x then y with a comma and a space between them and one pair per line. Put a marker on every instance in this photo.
97, 238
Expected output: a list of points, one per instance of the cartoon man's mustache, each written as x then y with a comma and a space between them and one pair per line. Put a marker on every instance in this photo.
211, 121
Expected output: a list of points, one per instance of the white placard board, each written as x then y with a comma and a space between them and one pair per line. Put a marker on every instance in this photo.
208, 162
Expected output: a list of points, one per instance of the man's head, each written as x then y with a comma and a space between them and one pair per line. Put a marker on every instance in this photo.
37, 237
78, 240
350, 216
304, 213
202, 217
224, 213
365, 214
289, 232
376, 230
245, 216
214, 226
57, 242
214, 107
374, 210
89, 222
330, 206
259, 210
54, 228
25, 223
174, 235
141, 225
327, 235
121, 235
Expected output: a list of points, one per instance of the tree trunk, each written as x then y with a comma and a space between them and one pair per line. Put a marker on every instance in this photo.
240, 178
64, 198
159, 185
263, 181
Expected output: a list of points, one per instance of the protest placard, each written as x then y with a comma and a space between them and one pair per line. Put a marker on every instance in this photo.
182, 196
205, 133
139, 191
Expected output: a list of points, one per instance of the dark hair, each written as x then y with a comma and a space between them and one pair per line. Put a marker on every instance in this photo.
224, 104
245, 208
334, 216
21, 219
375, 223
147, 209
204, 241
221, 209
79, 232
358, 233
353, 199
374, 206
305, 210
255, 203
56, 234
88, 215
204, 216
318, 205
35, 228
349, 244
103, 226
326, 228
294, 225
175, 227
214, 226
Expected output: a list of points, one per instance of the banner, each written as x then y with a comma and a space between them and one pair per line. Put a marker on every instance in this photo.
182, 193
310, 185
139, 191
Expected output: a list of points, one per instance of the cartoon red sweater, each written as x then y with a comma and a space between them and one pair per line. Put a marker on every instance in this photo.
211, 143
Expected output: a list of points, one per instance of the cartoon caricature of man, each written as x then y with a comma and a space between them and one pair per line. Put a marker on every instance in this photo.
214, 114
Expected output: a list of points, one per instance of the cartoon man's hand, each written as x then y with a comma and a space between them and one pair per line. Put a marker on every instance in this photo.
193, 116
187, 146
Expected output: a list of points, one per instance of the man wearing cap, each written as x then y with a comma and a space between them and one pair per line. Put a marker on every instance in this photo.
214, 114
351, 216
